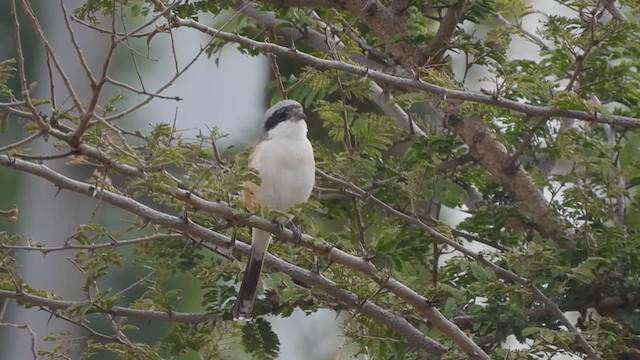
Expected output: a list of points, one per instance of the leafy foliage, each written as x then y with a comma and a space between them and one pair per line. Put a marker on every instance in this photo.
259, 340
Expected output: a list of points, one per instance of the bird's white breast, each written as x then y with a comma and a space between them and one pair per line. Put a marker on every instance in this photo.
287, 171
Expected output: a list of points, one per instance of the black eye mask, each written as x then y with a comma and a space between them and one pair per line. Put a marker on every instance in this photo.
281, 115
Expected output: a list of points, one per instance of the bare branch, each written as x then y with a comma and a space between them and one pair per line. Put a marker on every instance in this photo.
25, 91
43, 157
76, 46
51, 55
110, 245
141, 91
96, 87
157, 93
22, 142
34, 352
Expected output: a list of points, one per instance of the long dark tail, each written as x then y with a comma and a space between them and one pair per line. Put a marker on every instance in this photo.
246, 300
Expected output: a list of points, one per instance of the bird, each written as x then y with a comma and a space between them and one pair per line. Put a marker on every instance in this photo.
283, 159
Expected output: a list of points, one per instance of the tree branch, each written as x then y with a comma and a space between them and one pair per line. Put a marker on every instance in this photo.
55, 304
220, 242
419, 302
438, 45
22, 142
405, 83
537, 293
51, 55
387, 26
494, 157
326, 44
110, 245
499, 271
34, 352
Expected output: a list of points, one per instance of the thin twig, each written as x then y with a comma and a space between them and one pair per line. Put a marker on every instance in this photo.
34, 352
156, 93
22, 142
76, 46
25, 91
110, 245
525, 143
140, 91
527, 34
96, 88
52, 56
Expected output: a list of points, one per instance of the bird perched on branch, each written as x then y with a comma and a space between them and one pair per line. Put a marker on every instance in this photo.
284, 161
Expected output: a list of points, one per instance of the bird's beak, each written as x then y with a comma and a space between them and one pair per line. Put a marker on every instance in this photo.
301, 117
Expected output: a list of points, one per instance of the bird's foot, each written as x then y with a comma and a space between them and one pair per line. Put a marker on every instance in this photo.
297, 233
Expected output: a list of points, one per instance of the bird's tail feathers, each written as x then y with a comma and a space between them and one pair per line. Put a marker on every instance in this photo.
246, 300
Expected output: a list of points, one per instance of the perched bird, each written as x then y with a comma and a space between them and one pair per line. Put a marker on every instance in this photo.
284, 161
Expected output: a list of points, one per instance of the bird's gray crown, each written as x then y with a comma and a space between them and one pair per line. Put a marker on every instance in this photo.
282, 111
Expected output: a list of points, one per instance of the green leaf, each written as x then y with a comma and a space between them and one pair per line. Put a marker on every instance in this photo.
531, 330
259, 339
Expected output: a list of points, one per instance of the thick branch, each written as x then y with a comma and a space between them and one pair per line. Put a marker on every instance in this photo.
494, 157
438, 45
